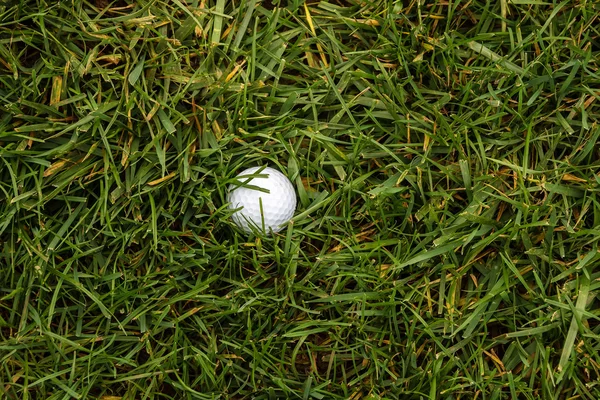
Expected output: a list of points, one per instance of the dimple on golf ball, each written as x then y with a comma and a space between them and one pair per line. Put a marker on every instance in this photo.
265, 211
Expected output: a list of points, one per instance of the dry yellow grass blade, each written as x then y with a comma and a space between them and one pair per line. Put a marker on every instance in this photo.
163, 179
314, 32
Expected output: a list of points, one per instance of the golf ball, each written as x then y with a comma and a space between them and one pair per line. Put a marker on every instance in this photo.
265, 211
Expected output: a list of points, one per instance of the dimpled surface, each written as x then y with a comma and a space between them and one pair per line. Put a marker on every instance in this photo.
278, 205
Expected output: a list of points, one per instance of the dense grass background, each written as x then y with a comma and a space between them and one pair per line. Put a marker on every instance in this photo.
446, 158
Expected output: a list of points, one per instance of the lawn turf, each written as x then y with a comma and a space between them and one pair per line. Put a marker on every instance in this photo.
445, 156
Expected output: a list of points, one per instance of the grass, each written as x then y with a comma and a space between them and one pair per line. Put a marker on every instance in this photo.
445, 156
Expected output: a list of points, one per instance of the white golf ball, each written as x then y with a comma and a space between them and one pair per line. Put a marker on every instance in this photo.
265, 211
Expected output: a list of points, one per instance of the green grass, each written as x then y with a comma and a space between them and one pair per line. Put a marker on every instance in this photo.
446, 157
